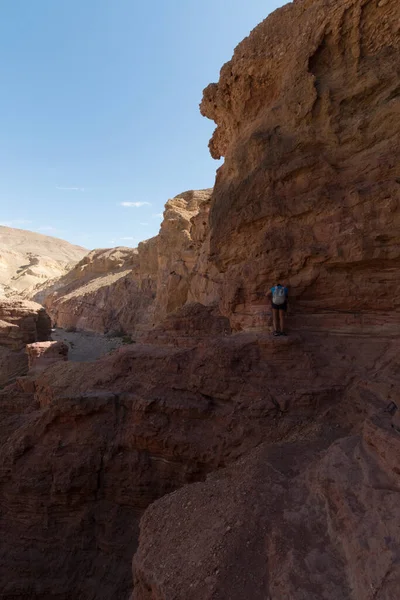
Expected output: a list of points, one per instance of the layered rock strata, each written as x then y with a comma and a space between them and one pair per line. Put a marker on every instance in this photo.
128, 290
21, 322
43, 354
308, 120
290, 445
107, 291
106, 439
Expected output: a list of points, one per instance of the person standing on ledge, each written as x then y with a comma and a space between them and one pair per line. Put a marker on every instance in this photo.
279, 296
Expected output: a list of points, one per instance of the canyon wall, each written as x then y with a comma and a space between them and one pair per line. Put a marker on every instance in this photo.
295, 457
129, 290
107, 291
308, 120
178, 246
21, 322
229, 463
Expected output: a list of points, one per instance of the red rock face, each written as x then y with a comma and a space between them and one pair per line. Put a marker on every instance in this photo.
107, 291
21, 322
308, 121
43, 354
194, 323
288, 521
111, 437
291, 455
307, 117
129, 290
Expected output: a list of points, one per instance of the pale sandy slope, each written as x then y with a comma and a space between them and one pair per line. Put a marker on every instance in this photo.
27, 258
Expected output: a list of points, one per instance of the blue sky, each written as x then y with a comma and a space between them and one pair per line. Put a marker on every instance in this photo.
99, 110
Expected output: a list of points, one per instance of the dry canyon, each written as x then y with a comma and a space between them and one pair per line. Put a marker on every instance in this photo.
203, 458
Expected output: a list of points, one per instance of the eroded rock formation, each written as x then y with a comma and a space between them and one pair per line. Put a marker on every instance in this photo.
21, 322
308, 119
128, 290
290, 445
106, 439
107, 291
294, 520
178, 246
43, 354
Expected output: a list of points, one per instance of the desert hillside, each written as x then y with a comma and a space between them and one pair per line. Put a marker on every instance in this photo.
27, 258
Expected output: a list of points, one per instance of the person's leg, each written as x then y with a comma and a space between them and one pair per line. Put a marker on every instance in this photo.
275, 319
282, 314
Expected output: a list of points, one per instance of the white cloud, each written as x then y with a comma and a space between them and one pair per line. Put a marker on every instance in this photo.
14, 223
135, 204
127, 238
70, 189
143, 223
157, 216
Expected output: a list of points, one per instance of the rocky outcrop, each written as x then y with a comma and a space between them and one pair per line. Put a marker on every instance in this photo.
106, 439
108, 291
293, 520
128, 290
43, 354
256, 466
178, 245
307, 115
28, 259
21, 323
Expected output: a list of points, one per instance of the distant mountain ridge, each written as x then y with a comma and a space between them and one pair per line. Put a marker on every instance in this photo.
27, 258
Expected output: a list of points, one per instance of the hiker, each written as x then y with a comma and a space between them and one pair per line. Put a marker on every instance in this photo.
279, 296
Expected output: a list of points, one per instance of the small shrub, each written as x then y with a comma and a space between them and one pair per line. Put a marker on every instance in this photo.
127, 340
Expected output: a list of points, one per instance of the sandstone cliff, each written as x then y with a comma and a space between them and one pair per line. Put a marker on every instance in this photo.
86, 447
108, 290
28, 258
178, 245
290, 446
308, 120
21, 323
307, 115
127, 290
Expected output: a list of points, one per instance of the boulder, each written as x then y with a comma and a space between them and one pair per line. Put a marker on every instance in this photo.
43, 354
21, 322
